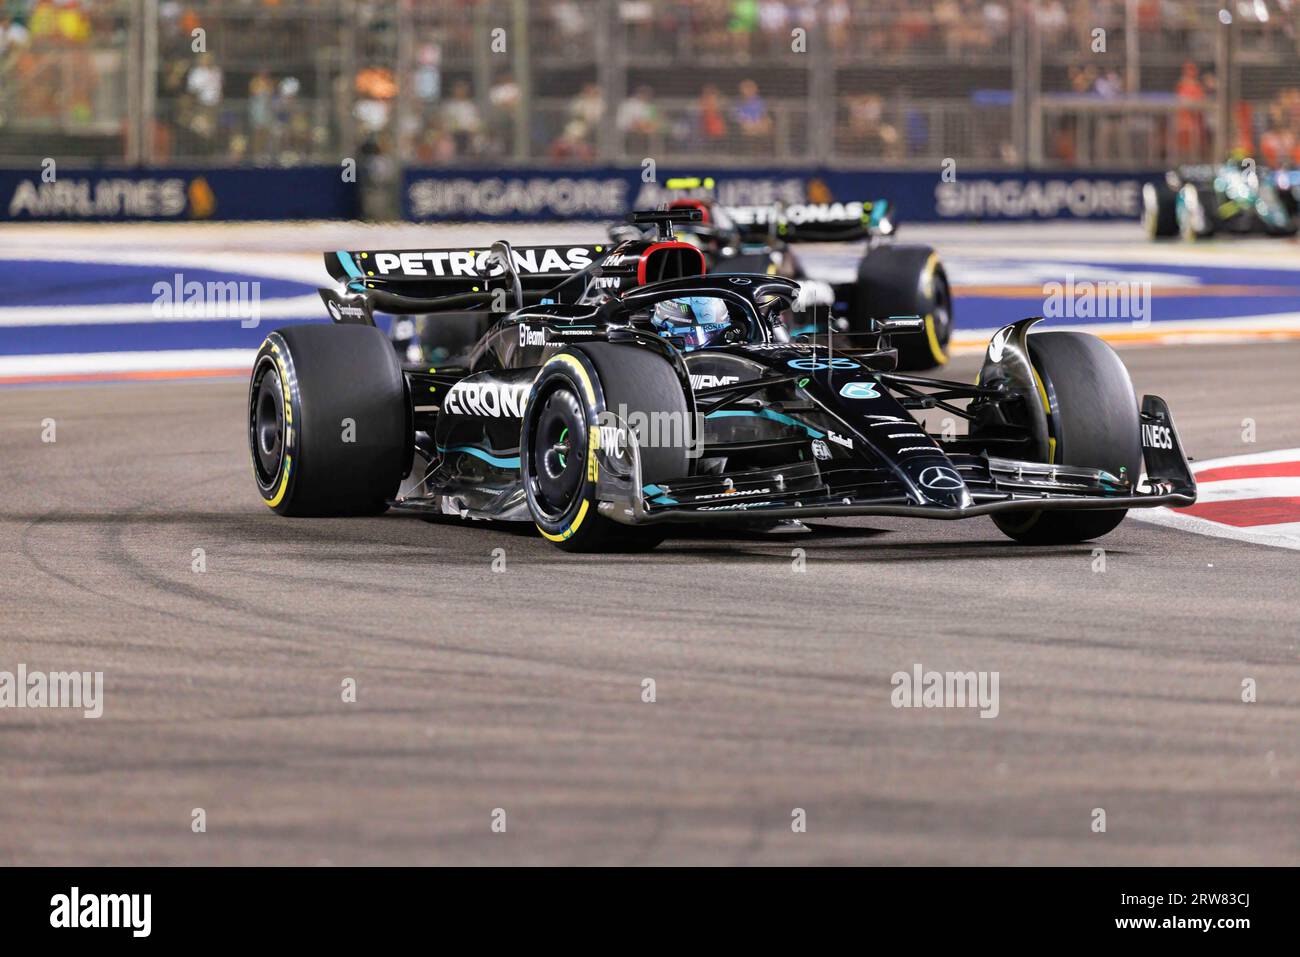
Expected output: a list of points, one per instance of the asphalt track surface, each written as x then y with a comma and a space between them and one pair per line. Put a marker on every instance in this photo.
522, 689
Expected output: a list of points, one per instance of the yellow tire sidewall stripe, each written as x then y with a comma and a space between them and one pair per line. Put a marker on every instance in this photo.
283, 369
592, 441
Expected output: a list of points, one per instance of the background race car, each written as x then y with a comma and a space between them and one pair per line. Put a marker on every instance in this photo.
890, 279
1237, 197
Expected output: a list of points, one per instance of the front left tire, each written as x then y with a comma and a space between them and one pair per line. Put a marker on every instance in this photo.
1093, 422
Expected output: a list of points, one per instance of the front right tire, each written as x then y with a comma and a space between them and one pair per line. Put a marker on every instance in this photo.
576, 392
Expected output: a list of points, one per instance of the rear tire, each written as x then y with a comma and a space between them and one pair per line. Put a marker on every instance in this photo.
908, 281
1159, 211
328, 420
1093, 417
559, 468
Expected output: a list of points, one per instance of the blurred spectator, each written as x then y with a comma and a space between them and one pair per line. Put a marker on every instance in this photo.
638, 114
376, 89
13, 35
261, 94
461, 116
427, 79
710, 122
204, 82
1109, 84
1189, 125
574, 143
638, 120
866, 130
503, 105
1279, 142
588, 106
742, 26
750, 112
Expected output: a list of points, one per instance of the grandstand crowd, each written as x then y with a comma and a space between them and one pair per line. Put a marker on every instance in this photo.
283, 81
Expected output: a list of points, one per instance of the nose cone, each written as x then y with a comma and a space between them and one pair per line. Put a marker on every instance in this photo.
942, 485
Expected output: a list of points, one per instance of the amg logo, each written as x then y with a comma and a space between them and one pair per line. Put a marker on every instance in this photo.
1157, 437
470, 263
607, 282
528, 336
494, 399
706, 381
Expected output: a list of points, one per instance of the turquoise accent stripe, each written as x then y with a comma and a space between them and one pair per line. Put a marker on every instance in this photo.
488, 457
767, 414
660, 498
345, 260
878, 211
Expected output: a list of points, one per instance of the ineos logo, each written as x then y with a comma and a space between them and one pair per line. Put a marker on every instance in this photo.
940, 478
1157, 437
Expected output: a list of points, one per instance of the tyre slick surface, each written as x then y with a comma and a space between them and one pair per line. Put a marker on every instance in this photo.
1094, 422
908, 281
328, 421
1159, 211
558, 463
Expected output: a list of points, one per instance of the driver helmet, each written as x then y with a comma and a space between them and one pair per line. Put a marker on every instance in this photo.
697, 320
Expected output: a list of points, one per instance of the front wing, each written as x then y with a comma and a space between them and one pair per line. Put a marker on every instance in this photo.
805, 490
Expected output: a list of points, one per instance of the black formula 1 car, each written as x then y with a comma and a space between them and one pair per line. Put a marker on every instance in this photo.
887, 278
1236, 198
637, 392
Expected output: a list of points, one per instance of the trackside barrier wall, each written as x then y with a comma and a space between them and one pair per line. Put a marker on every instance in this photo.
526, 193
920, 196
61, 194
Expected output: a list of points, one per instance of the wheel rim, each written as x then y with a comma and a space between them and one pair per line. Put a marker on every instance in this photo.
942, 310
559, 454
266, 423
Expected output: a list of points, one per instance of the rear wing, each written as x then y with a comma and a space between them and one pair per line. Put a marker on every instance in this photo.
449, 272
815, 222
500, 277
